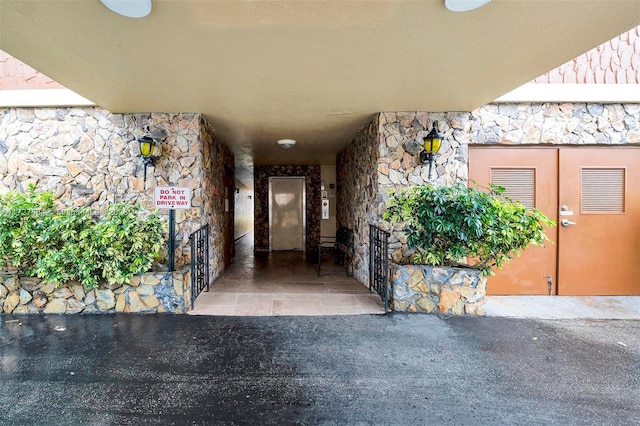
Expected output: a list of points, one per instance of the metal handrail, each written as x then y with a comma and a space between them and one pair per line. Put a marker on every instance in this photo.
379, 263
199, 240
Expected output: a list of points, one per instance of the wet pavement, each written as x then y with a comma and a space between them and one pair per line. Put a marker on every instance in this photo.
367, 369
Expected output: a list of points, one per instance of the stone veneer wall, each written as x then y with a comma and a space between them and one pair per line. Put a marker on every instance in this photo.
357, 190
430, 290
393, 135
215, 156
261, 202
89, 157
149, 293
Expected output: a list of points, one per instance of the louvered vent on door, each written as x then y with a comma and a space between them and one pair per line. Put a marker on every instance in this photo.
519, 184
603, 190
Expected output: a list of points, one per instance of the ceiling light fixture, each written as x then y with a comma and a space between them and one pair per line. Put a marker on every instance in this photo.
286, 143
129, 8
464, 5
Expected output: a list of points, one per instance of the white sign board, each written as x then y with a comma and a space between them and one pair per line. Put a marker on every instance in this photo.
325, 209
172, 197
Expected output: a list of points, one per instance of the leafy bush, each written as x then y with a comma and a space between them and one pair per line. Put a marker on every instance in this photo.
24, 218
445, 225
70, 245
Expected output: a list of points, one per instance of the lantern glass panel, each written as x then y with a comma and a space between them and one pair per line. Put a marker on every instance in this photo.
147, 147
432, 145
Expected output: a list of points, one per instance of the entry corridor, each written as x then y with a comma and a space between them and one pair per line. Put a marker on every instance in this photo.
284, 283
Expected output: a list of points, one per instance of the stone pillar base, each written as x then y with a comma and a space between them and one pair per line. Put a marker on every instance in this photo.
151, 292
437, 290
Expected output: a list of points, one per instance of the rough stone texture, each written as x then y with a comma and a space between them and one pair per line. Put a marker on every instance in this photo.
74, 306
135, 303
356, 171
9, 282
56, 306
40, 300
382, 156
89, 157
62, 293
48, 288
105, 299
157, 294
25, 296
429, 289
11, 302
209, 200
261, 204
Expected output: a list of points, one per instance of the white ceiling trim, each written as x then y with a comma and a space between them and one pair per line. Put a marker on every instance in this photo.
41, 98
564, 92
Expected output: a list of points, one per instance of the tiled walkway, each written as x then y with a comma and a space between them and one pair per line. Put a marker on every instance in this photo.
284, 283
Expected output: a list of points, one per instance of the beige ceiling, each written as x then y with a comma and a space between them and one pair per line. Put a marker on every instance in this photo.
315, 71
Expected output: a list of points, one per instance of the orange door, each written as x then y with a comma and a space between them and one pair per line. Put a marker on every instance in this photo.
530, 176
599, 246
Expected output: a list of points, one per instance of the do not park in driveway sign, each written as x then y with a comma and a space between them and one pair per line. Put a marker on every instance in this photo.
172, 197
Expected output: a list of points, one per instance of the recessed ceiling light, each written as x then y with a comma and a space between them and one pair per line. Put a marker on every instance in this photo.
129, 8
286, 143
464, 5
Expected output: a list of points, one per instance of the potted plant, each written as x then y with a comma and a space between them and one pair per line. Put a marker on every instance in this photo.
457, 235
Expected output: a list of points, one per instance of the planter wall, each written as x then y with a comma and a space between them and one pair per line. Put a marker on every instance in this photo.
154, 292
441, 290
89, 157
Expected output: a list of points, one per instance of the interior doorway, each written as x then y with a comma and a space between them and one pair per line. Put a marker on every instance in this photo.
593, 193
287, 213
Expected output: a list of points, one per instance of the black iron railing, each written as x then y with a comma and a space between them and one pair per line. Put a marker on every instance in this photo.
379, 263
199, 262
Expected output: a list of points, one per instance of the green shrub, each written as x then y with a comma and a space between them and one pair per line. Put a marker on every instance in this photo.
70, 245
24, 219
446, 225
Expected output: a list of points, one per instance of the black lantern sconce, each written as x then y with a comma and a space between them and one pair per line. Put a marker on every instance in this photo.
149, 149
432, 144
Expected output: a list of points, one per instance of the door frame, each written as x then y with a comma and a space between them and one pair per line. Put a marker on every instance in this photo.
303, 182
559, 287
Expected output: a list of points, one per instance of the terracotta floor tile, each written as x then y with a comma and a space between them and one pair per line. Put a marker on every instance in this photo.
297, 296
216, 299
334, 300
298, 307
284, 283
214, 310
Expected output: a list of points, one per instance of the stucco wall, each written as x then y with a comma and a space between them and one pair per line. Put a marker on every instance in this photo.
243, 210
89, 157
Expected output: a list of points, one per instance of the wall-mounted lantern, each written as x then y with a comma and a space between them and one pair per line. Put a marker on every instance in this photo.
149, 150
431, 145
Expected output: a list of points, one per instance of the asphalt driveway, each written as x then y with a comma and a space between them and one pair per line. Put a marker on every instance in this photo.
372, 370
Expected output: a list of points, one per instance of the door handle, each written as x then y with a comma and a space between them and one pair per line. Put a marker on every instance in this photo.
566, 222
